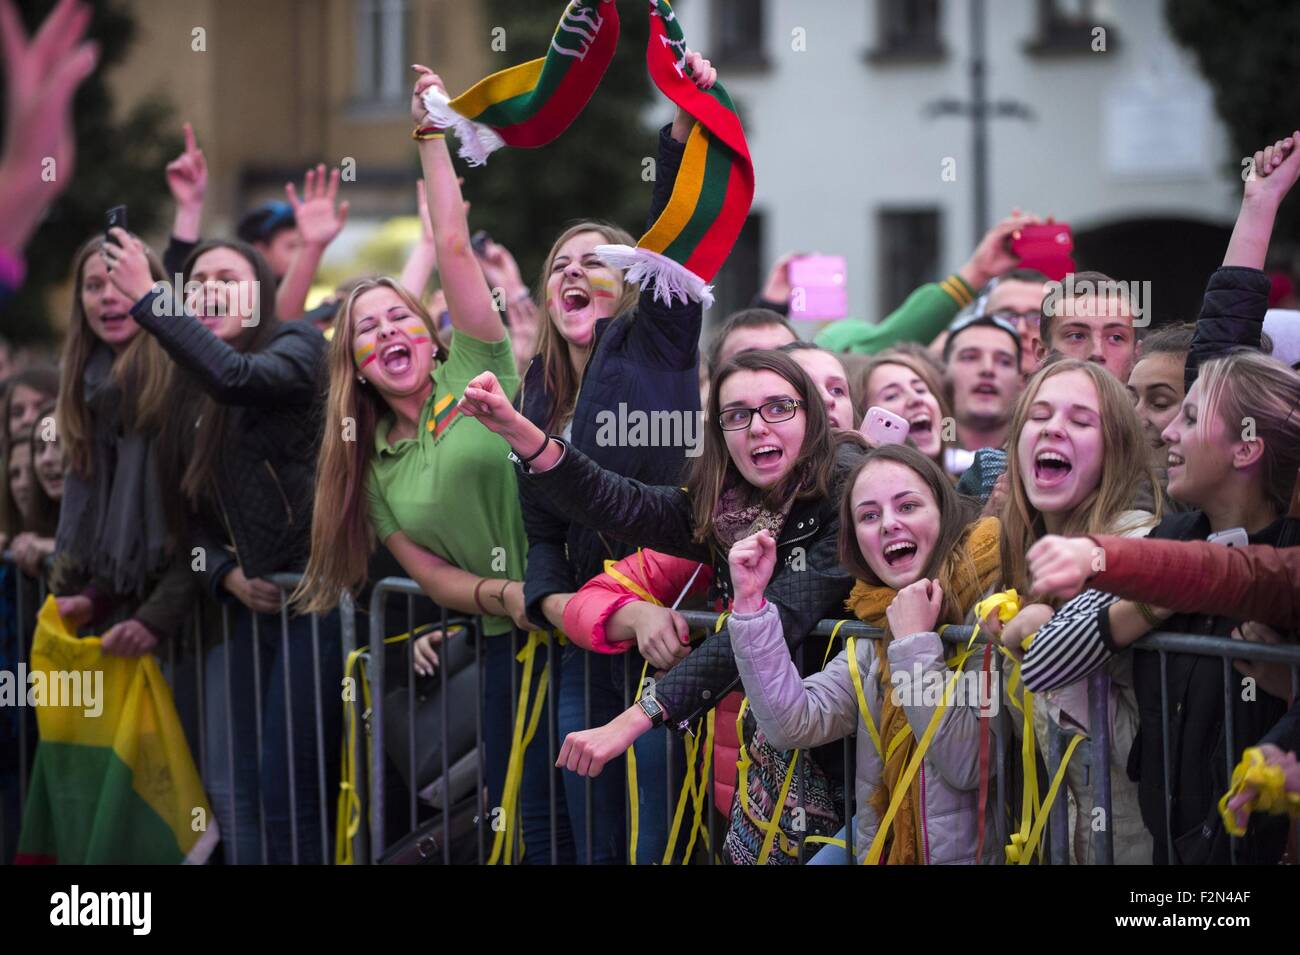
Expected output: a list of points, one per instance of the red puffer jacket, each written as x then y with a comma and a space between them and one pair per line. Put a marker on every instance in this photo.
661, 578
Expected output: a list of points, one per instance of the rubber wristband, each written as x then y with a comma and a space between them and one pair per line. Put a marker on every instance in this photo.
501, 597
546, 443
477, 602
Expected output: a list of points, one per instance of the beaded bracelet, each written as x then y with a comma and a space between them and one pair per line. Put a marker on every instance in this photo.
425, 133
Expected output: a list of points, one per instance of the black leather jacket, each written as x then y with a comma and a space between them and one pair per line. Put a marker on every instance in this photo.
809, 584
260, 514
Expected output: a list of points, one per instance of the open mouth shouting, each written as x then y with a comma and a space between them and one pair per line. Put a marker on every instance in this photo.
395, 358
574, 300
767, 458
900, 554
1051, 468
986, 389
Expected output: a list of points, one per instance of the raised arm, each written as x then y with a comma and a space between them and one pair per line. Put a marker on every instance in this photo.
469, 300
187, 178
1236, 298
581, 490
319, 220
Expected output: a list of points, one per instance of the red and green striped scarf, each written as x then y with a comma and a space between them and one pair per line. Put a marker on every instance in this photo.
531, 104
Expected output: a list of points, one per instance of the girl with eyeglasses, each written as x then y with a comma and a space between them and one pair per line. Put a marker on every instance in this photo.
770, 461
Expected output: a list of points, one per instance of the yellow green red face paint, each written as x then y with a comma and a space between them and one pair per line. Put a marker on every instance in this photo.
364, 355
601, 287
415, 330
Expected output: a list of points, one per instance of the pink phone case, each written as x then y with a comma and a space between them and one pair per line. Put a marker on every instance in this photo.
818, 288
884, 427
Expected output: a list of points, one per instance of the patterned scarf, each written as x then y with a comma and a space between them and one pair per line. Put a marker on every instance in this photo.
741, 511
869, 603
531, 104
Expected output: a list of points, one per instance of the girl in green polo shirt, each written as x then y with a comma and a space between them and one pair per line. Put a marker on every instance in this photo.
397, 459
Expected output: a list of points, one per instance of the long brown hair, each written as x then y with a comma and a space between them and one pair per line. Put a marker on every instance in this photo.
923, 367
560, 379
142, 373
341, 535
1127, 467
950, 561
813, 471
196, 463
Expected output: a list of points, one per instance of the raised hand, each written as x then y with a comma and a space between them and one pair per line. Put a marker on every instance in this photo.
703, 74
128, 264
187, 174
915, 608
41, 75
1273, 170
752, 560
426, 79
484, 399
319, 219
993, 255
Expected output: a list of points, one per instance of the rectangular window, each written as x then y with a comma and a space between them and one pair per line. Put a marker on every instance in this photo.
739, 280
382, 52
738, 34
909, 253
908, 29
1067, 27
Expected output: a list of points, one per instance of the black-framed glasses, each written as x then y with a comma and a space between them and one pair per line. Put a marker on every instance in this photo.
779, 409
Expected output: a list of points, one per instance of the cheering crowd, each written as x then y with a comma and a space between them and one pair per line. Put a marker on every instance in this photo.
1071, 472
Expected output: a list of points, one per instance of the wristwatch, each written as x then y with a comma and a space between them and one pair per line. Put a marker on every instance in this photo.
651, 708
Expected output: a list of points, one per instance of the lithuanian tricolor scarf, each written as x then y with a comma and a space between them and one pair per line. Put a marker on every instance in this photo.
531, 104
116, 784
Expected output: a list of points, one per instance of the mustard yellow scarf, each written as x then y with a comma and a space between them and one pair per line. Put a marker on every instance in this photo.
975, 567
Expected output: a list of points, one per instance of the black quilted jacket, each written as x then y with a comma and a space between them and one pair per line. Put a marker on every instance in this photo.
1232, 316
645, 360
808, 585
260, 515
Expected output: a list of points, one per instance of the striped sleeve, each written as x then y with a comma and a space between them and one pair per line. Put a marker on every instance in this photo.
1071, 645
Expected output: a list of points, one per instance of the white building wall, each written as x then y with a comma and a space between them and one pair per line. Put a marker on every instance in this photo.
835, 137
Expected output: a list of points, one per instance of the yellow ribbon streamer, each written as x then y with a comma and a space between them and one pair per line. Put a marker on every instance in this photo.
1269, 782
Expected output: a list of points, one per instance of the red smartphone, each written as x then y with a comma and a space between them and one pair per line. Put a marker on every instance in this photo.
884, 427
1046, 248
818, 288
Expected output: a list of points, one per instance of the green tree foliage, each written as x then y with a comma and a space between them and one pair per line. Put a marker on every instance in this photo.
524, 197
119, 162
1247, 51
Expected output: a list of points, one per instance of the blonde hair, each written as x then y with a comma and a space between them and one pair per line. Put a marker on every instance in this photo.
142, 372
341, 535
559, 377
1249, 389
1127, 467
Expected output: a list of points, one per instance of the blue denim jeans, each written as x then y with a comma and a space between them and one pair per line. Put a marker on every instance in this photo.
609, 836
540, 778
294, 783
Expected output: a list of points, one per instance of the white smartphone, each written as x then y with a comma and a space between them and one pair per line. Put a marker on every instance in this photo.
1232, 537
884, 427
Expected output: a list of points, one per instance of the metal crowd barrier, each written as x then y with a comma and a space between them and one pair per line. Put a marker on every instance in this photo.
184, 659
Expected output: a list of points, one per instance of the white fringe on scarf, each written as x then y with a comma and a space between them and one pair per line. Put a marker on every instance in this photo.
667, 279
477, 141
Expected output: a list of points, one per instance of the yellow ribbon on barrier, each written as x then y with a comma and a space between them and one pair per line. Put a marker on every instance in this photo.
1269, 782
507, 840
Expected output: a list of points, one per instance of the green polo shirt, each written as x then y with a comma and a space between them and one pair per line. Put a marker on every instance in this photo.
451, 488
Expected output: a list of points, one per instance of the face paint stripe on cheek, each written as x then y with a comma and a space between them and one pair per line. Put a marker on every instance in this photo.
364, 355
601, 287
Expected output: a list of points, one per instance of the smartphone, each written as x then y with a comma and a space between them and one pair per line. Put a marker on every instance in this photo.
1232, 537
884, 427
818, 288
478, 242
114, 218
1046, 248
